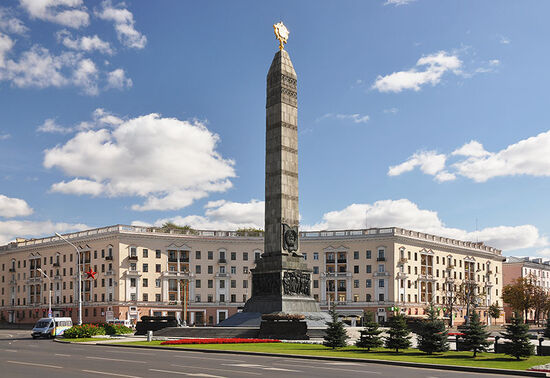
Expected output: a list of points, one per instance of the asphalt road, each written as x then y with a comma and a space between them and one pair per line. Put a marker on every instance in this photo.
21, 356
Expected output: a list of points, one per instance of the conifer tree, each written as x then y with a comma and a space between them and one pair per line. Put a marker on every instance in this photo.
432, 336
517, 334
475, 335
399, 334
547, 329
336, 334
370, 335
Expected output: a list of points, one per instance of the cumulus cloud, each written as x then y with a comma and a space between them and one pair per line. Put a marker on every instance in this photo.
85, 43
100, 118
124, 24
141, 156
78, 187
398, 2
526, 157
117, 79
355, 118
5, 136
13, 207
430, 162
11, 24
221, 215
70, 13
9, 230
428, 70
85, 76
406, 214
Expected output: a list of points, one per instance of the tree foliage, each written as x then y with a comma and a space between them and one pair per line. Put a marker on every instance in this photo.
336, 334
475, 335
370, 336
517, 334
167, 226
432, 336
399, 335
519, 295
494, 311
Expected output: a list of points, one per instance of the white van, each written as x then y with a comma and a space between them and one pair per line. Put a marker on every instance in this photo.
51, 327
125, 322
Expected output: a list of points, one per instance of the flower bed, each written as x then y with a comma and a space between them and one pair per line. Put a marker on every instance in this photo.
218, 341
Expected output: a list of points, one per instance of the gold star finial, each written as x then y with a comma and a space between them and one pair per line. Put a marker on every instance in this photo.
281, 33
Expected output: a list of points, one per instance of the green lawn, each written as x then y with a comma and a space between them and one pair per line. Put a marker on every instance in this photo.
84, 339
490, 360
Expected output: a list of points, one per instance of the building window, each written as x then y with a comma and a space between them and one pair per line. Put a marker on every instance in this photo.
233, 284
157, 298
198, 298
133, 251
305, 255
145, 253
132, 282
233, 298
356, 269
210, 284
245, 270
368, 298
380, 283
210, 269
157, 268
426, 264
369, 254
222, 269
210, 255
145, 267
197, 255
369, 269
233, 256
197, 269
369, 282
315, 255
315, 284
145, 297
145, 282
356, 255
157, 282
245, 284
233, 270
315, 270
198, 284
381, 268
356, 284
245, 256
381, 254
222, 297
380, 297
133, 266
222, 284
210, 298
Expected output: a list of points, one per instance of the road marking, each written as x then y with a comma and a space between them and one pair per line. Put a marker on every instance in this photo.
188, 374
10, 350
208, 358
329, 368
244, 365
280, 369
41, 365
62, 355
116, 359
224, 370
107, 373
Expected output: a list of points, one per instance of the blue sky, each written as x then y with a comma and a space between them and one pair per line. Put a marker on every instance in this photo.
422, 114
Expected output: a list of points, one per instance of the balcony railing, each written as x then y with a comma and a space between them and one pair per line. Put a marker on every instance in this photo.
222, 261
109, 257
403, 260
133, 257
56, 264
172, 259
342, 261
330, 261
381, 259
450, 266
12, 270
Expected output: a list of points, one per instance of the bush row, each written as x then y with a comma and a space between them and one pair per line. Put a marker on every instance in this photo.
89, 330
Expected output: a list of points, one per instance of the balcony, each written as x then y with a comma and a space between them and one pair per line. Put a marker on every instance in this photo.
13, 282
184, 259
450, 266
342, 288
381, 259
342, 261
109, 273
133, 272
222, 261
12, 270
401, 275
222, 275
133, 257
402, 261
56, 264
489, 272
330, 261
381, 274
172, 259
109, 257
338, 274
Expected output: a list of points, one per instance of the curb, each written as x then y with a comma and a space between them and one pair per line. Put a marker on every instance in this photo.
470, 369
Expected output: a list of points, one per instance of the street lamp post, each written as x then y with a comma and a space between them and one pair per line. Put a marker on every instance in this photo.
50, 296
79, 277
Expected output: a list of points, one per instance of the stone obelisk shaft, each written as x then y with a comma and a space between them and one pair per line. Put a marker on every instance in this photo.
281, 166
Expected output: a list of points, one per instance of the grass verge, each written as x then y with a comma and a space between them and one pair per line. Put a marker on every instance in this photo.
489, 360
84, 339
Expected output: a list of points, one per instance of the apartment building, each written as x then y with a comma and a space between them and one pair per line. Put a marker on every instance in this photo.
205, 276
535, 270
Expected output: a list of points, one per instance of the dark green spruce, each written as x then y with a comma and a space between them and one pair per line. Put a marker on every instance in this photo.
547, 329
432, 336
518, 338
370, 336
475, 335
336, 335
399, 334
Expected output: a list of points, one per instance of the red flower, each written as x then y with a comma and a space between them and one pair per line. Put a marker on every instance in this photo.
218, 341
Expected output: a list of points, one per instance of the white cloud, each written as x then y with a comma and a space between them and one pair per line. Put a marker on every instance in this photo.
78, 187
13, 207
5, 136
85, 76
398, 2
494, 62
356, 118
10, 23
6, 45
86, 43
221, 215
124, 24
504, 40
406, 214
9, 230
117, 79
391, 111
169, 162
51, 126
435, 65
430, 162
71, 13
526, 157
100, 118
472, 148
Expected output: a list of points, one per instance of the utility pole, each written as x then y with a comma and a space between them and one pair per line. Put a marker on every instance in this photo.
50, 292
79, 277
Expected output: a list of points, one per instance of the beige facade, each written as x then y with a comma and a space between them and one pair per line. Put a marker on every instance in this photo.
144, 271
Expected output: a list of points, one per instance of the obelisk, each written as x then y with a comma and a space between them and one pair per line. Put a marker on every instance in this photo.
281, 281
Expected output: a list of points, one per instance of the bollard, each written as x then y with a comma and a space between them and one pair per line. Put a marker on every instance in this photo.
539, 349
496, 343
149, 336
